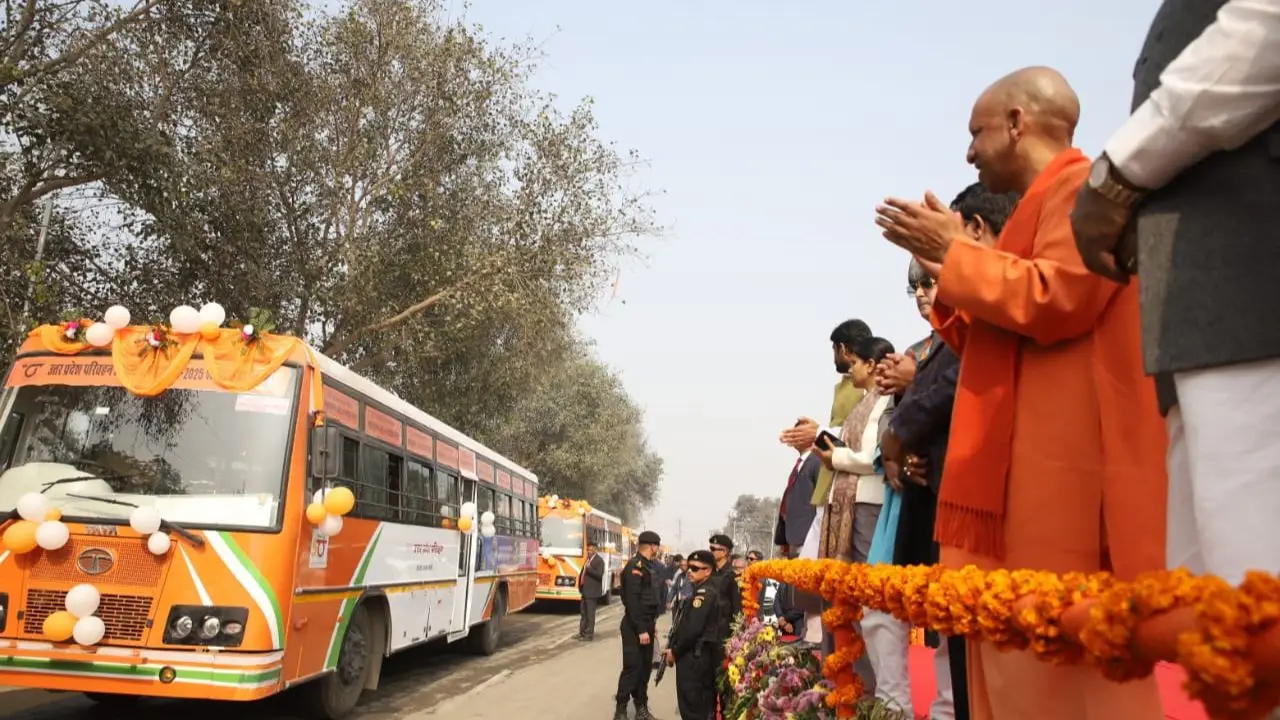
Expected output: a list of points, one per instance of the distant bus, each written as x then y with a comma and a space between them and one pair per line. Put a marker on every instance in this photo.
566, 528
238, 595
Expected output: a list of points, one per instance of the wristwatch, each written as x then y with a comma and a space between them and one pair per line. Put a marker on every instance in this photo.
1105, 180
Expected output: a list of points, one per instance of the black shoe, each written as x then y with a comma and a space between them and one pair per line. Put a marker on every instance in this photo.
642, 712
620, 713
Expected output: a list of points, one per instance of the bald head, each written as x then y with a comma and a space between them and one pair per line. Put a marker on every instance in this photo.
1044, 95
1019, 125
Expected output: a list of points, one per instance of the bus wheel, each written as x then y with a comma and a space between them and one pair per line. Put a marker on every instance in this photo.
484, 638
335, 695
113, 700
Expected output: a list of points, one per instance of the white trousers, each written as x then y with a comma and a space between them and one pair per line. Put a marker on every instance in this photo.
888, 644
1224, 471
812, 541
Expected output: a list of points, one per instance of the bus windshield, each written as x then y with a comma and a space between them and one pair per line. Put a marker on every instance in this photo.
562, 536
204, 458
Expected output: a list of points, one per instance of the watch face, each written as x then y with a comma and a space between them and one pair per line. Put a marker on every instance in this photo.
1098, 173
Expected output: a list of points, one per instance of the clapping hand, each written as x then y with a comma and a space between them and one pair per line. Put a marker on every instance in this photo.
895, 373
926, 230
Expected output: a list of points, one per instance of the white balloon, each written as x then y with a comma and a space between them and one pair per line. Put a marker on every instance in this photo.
318, 496
158, 543
144, 520
82, 600
555, 499
331, 525
89, 630
486, 518
468, 509
32, 506
488, 531
185, 319
117, 316
212, 313
100, 334
52, 534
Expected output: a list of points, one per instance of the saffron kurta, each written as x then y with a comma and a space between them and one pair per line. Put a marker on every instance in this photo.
1086, 480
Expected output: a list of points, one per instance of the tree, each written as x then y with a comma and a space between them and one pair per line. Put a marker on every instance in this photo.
750, 523
386, 185
587, 436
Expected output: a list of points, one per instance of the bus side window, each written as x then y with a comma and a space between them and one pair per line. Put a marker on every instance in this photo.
418, 505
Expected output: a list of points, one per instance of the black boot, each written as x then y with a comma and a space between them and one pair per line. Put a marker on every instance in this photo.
620, 713
642, 712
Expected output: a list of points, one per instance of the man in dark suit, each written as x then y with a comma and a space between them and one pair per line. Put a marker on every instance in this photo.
795, 512
915, 444
591, 585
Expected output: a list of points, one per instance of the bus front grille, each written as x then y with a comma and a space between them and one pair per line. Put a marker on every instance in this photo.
124, 615
129, 563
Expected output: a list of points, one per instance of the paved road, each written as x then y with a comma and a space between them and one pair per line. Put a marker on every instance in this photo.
577, 684
413, 682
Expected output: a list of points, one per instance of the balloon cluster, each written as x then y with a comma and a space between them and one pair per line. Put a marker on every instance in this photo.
467, 519
146, 521
184, 320
40, 526
78, 621
327, 508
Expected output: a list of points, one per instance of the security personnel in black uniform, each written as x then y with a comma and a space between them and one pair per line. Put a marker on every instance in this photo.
696, 648
728, 592
639, 620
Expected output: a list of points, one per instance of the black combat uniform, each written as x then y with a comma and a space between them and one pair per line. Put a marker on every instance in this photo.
729, 597
698, 651
640, 614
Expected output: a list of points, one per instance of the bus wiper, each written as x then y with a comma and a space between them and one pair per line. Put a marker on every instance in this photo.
63, 481
165, 525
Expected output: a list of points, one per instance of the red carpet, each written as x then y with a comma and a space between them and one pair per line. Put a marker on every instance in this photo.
1177, 706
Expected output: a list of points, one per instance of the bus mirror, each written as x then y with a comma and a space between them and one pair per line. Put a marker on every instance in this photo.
326, 452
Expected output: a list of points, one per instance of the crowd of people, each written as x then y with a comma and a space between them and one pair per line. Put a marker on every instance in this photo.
1095, 392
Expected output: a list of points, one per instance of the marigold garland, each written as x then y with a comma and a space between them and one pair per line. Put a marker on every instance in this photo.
985, 606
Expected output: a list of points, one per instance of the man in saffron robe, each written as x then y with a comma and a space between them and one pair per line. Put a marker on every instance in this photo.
1056, 456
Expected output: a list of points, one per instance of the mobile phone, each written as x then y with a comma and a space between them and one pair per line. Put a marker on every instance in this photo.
826, 441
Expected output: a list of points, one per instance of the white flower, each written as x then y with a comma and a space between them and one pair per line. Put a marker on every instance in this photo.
247, 330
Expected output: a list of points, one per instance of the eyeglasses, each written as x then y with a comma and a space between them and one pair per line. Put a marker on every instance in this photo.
927, 284
698, 568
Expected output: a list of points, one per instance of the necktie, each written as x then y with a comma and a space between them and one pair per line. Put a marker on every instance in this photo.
795, 471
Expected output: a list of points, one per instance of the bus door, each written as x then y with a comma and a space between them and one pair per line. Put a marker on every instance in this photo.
461, 622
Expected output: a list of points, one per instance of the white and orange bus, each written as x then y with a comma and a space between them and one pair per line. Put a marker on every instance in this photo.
566, 527
225, 438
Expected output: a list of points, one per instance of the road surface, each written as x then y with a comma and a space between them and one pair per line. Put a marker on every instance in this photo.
413, 682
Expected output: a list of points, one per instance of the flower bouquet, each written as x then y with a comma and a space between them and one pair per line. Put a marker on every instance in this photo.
770, 680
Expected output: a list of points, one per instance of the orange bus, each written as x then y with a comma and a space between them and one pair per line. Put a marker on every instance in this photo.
170, 530
566, 526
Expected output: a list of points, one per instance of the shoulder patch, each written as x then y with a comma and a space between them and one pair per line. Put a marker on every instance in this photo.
697, 602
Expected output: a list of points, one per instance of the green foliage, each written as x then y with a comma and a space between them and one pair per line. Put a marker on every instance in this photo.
381, 182
750, 523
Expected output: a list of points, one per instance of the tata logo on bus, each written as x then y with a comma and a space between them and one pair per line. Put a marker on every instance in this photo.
319, 550
102, 530
95, 561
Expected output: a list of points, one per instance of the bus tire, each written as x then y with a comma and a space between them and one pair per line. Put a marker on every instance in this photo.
335, 695
484, 638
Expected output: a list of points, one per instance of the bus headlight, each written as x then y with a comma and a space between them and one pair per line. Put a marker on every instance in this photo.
210, 627
219, 626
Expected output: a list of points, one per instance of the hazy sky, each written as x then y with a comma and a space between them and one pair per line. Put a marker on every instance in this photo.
774, 128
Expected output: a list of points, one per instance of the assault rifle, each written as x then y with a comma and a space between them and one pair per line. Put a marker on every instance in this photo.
660, 662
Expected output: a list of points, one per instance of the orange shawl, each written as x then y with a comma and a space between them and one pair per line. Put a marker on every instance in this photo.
971, 503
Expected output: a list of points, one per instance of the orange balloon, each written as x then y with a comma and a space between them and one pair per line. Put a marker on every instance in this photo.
59, 626
20, 537
53, 514
316, 513
209, 331
339, 501
464, 524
